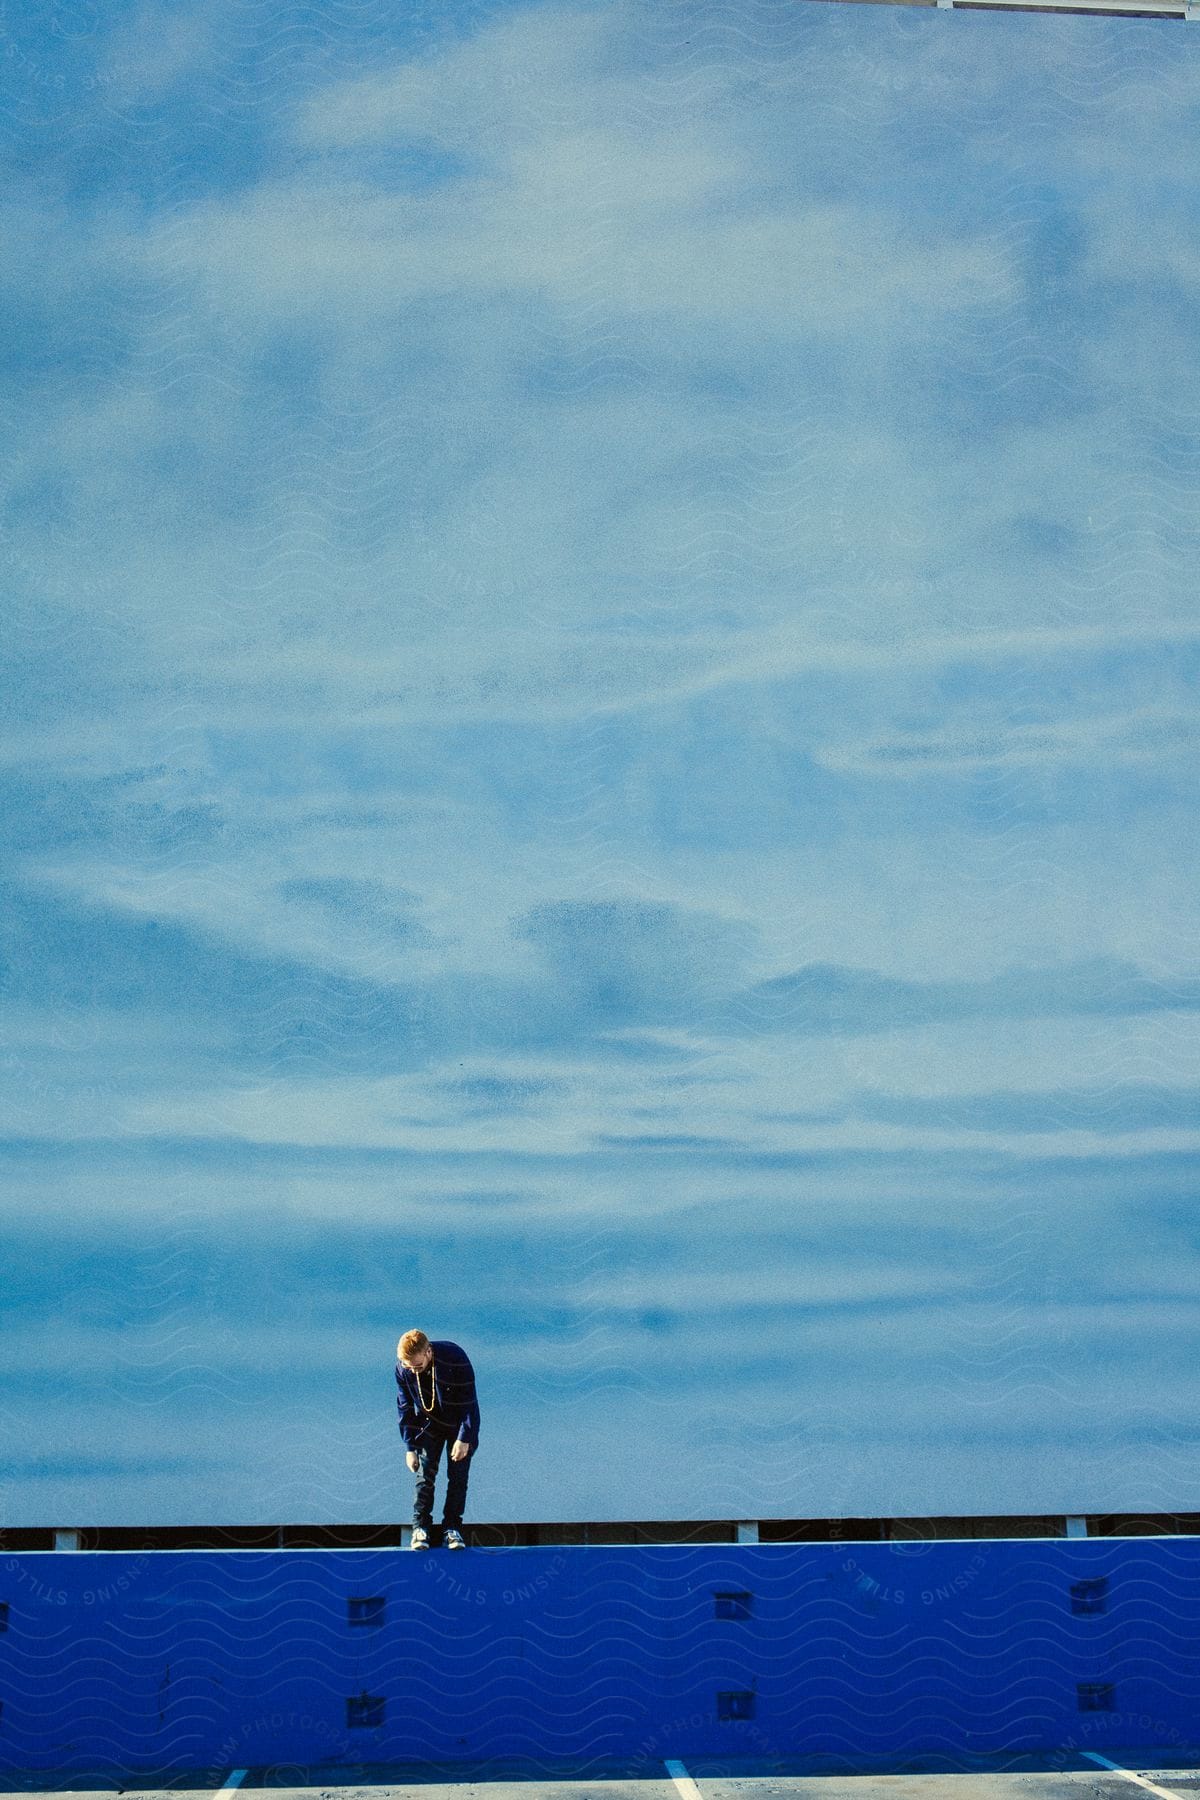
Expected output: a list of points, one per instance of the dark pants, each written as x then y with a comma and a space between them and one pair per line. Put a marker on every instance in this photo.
430, 1453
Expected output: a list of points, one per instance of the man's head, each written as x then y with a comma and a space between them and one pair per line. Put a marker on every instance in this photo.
415, 1351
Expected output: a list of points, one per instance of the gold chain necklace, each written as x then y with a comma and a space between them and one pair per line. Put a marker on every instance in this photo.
432, 1387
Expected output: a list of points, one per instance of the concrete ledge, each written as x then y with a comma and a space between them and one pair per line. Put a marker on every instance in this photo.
521, 1535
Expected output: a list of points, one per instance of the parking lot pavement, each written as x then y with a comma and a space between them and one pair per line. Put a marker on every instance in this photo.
1064, 1775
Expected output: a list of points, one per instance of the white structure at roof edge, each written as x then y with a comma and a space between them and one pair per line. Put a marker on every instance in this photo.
1134, 9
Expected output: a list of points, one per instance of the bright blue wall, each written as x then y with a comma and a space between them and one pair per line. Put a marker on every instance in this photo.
227, 1659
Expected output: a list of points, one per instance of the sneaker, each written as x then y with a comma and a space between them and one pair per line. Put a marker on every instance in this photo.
453, 1540
420, 1538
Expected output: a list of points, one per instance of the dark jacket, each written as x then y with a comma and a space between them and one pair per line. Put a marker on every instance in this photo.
455, 1404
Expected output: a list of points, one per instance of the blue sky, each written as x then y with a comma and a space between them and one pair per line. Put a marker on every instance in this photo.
599, 755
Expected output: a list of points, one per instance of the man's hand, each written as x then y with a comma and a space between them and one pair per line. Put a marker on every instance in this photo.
458, 1450
413, 1461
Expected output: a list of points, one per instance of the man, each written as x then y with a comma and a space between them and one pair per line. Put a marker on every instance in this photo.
438, 1406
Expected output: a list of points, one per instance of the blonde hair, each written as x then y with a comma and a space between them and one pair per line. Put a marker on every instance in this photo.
410, 1343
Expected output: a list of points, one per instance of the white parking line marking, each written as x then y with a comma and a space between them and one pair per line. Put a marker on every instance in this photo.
234, 1779
1164, 1793
687, 1786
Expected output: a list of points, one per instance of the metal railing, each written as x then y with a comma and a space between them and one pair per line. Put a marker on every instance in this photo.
1131, 9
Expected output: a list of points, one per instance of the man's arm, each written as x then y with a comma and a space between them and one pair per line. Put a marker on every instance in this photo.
407, 1411
461, 1395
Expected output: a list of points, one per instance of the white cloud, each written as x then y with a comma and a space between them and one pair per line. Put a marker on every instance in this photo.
157, 47
584, 181
311, 248
536, 60
767, 1091
1145, 736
